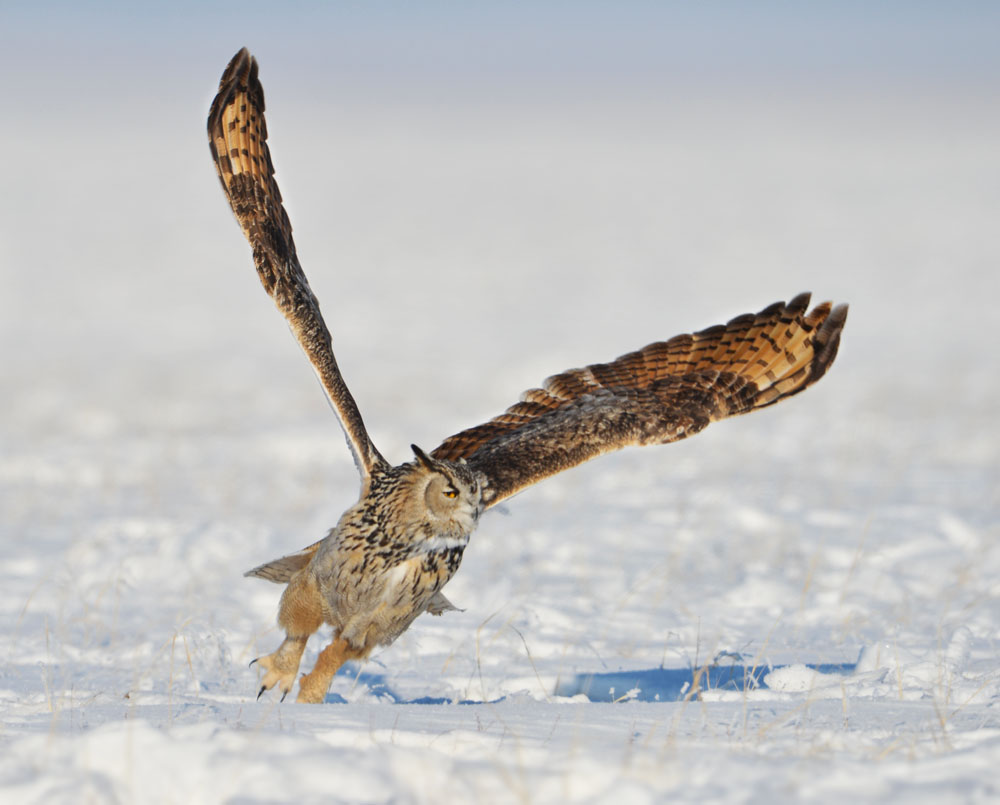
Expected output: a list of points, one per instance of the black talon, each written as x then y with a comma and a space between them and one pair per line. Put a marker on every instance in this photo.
252, 662
283, 695
260, 692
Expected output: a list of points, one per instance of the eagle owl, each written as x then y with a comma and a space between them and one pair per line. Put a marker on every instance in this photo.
391, 554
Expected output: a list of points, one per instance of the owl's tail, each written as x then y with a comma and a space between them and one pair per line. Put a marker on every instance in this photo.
280, 571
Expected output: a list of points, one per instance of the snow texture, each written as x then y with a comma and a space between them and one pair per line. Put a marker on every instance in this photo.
798, 605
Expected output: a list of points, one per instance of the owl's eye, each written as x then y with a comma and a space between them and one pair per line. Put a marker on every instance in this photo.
451, 492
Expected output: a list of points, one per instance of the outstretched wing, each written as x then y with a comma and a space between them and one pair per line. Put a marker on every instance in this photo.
662, 393
237, 136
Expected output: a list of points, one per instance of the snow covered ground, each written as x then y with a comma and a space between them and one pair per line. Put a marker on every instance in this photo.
802, 604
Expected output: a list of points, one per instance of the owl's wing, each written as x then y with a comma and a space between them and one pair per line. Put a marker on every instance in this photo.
237, 136
662, 393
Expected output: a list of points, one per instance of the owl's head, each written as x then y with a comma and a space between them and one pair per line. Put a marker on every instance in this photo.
450, 493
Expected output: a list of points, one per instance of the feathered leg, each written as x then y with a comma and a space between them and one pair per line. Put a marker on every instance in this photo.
314, 685
299, 614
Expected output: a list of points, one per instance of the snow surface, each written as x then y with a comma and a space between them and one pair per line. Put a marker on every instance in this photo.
802, 604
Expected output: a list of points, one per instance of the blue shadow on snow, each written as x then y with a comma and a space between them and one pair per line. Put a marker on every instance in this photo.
654, 685
675, 684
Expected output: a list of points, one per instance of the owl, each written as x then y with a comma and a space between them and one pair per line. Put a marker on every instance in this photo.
391, 554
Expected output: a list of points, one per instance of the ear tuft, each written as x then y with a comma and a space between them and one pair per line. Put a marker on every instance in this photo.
422, 457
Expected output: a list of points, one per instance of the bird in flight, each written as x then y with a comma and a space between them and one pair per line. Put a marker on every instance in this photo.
388, 558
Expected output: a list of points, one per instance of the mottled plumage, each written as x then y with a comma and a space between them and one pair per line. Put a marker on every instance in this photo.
663, 392
391, 554
237, 137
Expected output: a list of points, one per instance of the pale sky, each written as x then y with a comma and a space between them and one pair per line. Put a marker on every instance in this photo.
397, 43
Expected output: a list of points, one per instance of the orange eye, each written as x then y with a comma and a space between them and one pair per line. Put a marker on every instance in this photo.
451, 492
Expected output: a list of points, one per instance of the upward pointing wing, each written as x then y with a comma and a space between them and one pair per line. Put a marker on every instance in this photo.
237, 136
664, 392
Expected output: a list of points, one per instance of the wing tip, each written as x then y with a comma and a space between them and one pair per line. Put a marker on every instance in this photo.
827, 339
241, 73
242, 64
799, 303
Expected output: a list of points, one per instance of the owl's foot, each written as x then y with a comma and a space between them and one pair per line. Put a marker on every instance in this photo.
314, 685
282, 665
